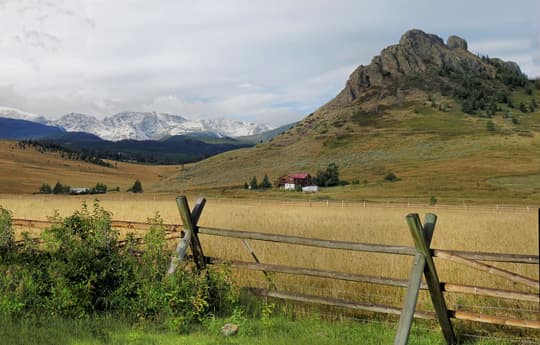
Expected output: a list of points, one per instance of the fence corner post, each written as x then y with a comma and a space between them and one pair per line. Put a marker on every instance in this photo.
415, 279
422, 243
189, 223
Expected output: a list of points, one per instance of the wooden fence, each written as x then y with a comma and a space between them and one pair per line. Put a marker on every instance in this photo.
423, 266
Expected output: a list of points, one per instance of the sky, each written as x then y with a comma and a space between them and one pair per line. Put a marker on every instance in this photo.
266, 61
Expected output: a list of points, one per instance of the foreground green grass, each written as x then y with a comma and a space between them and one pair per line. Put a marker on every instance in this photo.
274, 330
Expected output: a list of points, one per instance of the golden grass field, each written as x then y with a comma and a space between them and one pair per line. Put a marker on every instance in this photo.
24, 171
475, 229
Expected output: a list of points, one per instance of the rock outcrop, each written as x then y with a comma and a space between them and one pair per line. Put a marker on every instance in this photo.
455, 42
417, 54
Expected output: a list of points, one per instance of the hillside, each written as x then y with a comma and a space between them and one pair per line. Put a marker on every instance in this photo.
448, 123
24, 170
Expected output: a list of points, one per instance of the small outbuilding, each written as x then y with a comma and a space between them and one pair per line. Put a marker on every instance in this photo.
79, 190
310, 189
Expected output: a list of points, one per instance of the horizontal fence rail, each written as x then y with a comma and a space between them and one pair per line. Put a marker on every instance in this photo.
448, 287
321, 243
338, 302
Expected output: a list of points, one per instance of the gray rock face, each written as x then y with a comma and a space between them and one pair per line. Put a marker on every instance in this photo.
229, 329
455, 42
417, 54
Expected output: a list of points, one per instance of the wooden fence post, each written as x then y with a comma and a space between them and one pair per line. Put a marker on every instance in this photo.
413, 287
191, 238
432, 279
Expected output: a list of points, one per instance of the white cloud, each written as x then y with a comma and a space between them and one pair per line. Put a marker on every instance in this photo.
271, 61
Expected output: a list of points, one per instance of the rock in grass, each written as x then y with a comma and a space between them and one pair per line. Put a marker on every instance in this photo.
229, 329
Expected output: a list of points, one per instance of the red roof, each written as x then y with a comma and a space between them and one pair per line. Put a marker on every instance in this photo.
298, 175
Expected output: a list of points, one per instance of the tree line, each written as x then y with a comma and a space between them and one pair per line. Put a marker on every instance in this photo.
478, 93
99, 188
67, 153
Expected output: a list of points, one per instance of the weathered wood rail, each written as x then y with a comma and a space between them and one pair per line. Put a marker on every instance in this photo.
307, 241
423, 266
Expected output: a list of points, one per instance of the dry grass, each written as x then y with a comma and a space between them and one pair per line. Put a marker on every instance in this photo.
495, 231
24, 171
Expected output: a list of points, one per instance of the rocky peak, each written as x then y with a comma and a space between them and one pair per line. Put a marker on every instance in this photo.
419, 39
455, 42
418, 54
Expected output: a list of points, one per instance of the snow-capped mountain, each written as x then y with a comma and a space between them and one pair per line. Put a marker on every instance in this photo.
13, 113
141, 125
153, 126
126, 125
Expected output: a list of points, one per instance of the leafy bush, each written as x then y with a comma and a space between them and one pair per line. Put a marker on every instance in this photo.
99, 188
391, 177
328, 177
136, 188
83, 269
7, 236
45, 189
490, 126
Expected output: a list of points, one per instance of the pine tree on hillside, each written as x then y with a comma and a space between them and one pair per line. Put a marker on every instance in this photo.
137, 187
253, 183
58, 188
45, 189
265, 184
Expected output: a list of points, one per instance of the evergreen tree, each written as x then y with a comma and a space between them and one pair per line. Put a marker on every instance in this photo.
246, 185
265, 184
328, 177
58, 188
137, 187
100, 188
253, 183
45, 189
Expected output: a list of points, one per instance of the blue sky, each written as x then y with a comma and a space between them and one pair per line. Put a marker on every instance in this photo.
264, 61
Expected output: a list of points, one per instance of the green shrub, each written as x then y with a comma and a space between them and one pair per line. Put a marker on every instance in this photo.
355, 181
328, 177
7, 236
136, 188
45, 189
391, 177
83, 269
99, 188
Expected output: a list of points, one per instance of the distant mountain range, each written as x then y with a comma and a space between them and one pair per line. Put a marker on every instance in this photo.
151, 137
141, 125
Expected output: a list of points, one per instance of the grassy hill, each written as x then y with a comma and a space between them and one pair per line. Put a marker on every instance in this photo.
448, 123
24, 170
